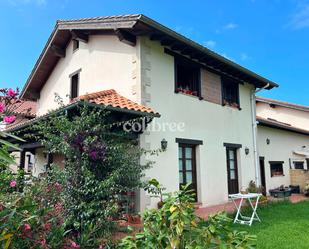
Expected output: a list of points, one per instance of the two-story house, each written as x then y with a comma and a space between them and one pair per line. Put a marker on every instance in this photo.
283, 142
206, 102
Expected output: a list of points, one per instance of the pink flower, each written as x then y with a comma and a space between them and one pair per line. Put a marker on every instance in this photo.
11, 93
9, 119
100, 247
13, 184
2, 107
43, 242
74, 245
27, 227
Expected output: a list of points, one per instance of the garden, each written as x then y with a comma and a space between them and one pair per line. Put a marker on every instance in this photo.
89, 202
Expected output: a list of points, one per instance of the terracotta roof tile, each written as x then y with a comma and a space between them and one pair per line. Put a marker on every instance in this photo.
24, 108
112, 98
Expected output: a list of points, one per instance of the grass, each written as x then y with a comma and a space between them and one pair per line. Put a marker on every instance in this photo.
284, 225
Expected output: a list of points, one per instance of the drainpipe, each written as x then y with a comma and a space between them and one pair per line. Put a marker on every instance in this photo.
254, 131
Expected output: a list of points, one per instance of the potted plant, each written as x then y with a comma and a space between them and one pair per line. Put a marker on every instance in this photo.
155, 188
306, 190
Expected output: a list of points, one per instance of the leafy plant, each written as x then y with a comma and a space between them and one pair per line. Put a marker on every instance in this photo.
154, 187
176, 226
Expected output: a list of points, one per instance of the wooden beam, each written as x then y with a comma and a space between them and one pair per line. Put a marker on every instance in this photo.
126, 37
156, 37
177, 47
56, 50
167, 42
79, 36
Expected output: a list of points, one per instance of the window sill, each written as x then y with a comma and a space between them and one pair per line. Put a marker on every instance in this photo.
189, 95
232, 106
278, 175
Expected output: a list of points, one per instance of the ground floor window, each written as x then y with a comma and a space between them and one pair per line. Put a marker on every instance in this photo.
187, 166
232, 170
298, 165
276, 168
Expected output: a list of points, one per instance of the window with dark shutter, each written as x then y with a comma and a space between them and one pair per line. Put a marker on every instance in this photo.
187, 77
74, 86
230, 92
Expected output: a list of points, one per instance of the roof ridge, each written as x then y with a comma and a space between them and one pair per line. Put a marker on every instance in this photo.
93, 95
99, 18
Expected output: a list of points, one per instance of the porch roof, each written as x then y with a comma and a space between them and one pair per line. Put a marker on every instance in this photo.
108, 99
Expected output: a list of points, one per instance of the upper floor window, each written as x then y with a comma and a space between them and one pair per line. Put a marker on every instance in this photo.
75, 45
187, 77
230, 92
74, 85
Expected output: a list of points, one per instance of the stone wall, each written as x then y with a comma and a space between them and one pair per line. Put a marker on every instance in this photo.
299, 177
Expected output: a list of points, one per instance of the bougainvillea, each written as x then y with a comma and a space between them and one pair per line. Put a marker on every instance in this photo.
101, 162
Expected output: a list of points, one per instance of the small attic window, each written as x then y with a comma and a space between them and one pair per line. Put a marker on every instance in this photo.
75, 45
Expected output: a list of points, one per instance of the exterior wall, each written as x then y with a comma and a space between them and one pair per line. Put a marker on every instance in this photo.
299, 177
212, 123
105, 63
297, 118
281, 147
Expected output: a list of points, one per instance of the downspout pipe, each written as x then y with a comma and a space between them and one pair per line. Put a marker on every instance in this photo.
254, 132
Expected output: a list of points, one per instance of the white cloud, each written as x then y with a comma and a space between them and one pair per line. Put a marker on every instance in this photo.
300, 19
25, 2
230, 26
210, 43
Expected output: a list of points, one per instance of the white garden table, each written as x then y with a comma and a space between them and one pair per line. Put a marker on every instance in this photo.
239, 218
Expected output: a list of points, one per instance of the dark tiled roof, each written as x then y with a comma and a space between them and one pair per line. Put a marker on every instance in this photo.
135, 24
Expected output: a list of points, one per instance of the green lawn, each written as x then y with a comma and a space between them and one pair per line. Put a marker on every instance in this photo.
284, 225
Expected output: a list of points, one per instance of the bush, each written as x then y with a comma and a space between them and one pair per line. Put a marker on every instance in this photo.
175, 225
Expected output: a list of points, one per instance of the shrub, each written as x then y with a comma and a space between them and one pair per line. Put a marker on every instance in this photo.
176, 226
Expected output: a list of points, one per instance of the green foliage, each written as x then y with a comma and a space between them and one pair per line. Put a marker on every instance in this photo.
101, 163
155, 188
176, 226
31, 220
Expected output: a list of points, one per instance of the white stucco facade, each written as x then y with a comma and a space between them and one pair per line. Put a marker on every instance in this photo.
212, 123
104, 63
145, 73
282, 146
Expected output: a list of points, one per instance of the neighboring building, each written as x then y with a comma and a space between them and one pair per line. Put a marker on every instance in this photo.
153, 66
283, 141
24, 111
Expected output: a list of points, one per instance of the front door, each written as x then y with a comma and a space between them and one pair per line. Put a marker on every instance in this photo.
232, 171
187, 166
262, 172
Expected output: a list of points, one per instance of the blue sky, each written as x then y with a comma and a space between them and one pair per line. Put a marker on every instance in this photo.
270, 37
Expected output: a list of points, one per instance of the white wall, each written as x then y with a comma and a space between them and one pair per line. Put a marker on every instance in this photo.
105, 63
281, 147
212, 123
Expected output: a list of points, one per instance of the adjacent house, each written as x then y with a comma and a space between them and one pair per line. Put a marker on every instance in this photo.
283, 143
206, 103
